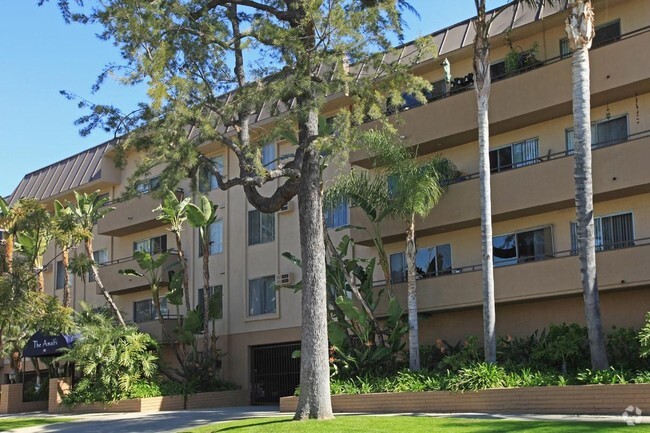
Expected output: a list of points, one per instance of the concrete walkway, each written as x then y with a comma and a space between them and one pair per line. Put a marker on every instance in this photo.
180, 421
156, 422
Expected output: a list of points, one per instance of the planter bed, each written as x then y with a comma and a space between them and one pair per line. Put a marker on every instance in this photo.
580, 399
240, 397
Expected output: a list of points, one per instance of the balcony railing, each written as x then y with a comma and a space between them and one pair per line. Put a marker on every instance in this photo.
609, 246
131, 215
119, 284
551, 157
465, 83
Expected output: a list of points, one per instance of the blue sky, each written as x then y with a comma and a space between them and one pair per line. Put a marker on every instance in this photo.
41, 55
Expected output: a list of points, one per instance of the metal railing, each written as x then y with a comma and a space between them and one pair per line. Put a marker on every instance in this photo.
610, 246
551, 157
463, 84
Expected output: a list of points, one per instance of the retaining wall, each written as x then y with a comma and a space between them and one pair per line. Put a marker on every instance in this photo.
11, 400
584, 399
58, 388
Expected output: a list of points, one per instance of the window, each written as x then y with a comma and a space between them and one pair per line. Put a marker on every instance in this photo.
152, 245
438, 90
269, 160
207, 180
514, 155
261, 227
336, 216
565, 49
520, 247
429, 262
100, 258
215, 238
60, 275
145, 311
611, 232
603, 133
215, 294
498, 70
605, 33
146, 186
398, 268
392, 186
410, 101
261, 296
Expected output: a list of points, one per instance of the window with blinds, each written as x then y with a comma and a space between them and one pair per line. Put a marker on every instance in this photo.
611, 232
603, 133
514, 155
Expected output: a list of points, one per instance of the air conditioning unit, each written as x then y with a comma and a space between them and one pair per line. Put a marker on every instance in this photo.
284, 279
288, 207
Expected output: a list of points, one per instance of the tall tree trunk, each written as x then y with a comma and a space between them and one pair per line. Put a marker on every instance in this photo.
107, 296
206, 291
580, 33
186, 277
40, 278
483, 83
315, 400
412, 302
9, 252
65, 258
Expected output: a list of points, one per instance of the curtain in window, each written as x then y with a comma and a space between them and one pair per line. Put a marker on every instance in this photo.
616, 231
612, 131
261, 296
397, 268
525, 153
216, 237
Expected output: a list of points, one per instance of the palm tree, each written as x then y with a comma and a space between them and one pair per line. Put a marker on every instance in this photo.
88, 209
8, 224
482, 86
173, 211
201, 218
413, 188
370, 194
30, 227
580, 32
65, 234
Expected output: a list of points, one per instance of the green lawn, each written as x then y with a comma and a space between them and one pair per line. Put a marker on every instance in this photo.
14, 423
413, 424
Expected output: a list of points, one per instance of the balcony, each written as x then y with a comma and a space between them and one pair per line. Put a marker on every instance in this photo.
162, 333
618, 72
544, 186
622, 268
122, 284
131, 216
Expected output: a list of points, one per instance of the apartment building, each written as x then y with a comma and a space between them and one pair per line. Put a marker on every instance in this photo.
537, 275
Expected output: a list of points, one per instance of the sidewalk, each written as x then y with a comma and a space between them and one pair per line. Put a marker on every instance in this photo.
175, 421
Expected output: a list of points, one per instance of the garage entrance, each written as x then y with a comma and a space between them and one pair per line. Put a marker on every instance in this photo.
274, 373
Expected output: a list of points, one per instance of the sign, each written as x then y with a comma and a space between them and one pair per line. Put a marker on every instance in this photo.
46, 345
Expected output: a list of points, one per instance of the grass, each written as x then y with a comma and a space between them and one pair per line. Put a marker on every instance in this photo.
14, 423
412, 424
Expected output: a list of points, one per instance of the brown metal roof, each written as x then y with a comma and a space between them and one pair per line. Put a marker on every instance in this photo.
62, 176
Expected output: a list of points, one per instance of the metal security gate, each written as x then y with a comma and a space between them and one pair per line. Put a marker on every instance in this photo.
274, 373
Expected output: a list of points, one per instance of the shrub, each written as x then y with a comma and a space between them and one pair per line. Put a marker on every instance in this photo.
111, 358
479, 376
464, 354
644, 337
517, 352
624, 349
612, 376
565, 347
